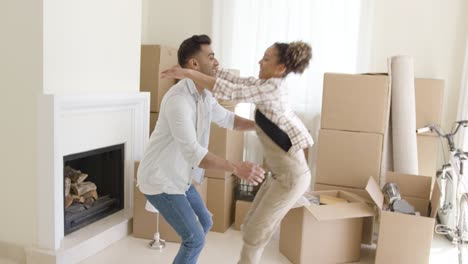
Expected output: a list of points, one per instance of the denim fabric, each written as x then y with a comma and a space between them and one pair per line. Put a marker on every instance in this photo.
189, 217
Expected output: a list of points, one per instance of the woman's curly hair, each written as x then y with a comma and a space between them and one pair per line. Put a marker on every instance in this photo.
295, 56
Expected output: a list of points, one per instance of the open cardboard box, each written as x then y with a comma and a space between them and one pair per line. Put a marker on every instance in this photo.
406, 238
325, 233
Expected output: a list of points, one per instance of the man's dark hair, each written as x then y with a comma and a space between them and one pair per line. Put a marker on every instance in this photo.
190, 47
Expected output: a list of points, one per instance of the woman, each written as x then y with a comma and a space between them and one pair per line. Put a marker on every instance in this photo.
282, 134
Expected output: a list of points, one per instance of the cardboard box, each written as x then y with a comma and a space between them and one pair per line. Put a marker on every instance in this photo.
405, 238
429, 147
348, 158
428, 153
154, 59
360, 192
368, 228
227, 144
242, 208
355, 102
220, 202
429, 95
325, 233
153, 119
144, 222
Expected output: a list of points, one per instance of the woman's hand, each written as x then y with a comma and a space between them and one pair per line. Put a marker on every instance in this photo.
175, 72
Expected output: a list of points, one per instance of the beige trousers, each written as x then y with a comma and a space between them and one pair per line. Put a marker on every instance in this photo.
291, 178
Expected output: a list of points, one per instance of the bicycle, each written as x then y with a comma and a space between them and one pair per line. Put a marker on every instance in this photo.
452, 214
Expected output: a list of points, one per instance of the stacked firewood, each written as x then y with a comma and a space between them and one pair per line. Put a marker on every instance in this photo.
77, 190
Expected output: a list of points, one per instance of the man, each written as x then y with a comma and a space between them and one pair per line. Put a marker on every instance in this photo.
177, 151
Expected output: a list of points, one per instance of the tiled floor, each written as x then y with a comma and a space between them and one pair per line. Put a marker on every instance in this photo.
225, 248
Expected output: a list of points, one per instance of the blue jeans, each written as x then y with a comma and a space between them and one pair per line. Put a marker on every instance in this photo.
189, 217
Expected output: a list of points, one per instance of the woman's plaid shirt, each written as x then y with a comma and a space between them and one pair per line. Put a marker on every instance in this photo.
270, 97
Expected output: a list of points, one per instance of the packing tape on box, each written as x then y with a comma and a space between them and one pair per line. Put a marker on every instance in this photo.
405, 148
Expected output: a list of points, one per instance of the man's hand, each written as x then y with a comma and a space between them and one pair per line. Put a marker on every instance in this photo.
243, 124
249, 171
175, 72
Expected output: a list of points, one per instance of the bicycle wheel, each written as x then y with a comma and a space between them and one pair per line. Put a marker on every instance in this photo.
463, 229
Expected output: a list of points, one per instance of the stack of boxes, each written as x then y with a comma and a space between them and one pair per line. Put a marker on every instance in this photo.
355, 120
154, 59
355, 115
429, 102
353, 157
353, 150
227, 144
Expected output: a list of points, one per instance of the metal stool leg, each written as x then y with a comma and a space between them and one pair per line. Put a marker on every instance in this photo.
157, 242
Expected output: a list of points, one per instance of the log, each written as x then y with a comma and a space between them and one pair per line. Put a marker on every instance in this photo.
70, 172
78, 198
80, 178
73, 188
68, 200
76, 176
88, 202
93, 194
67, 186
84, 187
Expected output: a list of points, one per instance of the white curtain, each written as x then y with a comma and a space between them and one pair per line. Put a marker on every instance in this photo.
338, 30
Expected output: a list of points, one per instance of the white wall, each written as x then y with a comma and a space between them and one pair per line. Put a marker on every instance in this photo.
170, 22
91, 46
54, 46
433, 32
20, 82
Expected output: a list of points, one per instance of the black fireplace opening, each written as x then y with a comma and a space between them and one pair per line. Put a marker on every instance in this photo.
93, 186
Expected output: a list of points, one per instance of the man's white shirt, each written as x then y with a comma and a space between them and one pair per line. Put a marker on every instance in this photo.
180, 139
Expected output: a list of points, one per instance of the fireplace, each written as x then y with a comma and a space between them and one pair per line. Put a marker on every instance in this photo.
76, 131
93, 186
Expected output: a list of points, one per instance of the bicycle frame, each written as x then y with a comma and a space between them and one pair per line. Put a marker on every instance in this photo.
450, 179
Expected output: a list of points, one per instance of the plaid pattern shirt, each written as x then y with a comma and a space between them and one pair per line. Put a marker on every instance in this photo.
270, 98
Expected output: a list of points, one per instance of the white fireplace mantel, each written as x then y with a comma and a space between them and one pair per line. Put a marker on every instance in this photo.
69, 124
